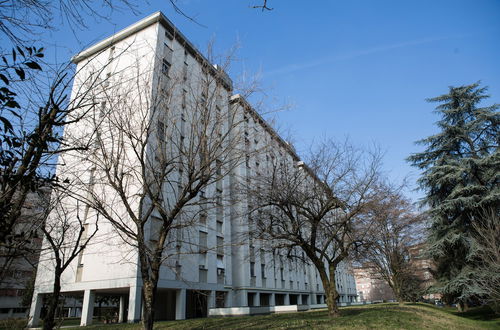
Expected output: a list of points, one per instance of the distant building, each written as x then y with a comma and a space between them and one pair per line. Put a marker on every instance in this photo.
18, 262
370, 287
423, 269
233, 276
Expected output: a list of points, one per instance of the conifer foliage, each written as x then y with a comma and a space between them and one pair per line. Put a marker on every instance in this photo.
461, 176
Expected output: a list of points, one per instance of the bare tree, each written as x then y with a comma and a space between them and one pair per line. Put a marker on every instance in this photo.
31, 143
22, 20
320, 208
161, 146
396, 227
66, 235
32, 138
29, 171
487, 246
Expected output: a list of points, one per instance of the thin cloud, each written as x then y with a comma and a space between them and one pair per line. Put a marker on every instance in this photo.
347, 56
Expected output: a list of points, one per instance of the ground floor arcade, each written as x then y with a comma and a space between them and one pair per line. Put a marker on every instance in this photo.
179, 303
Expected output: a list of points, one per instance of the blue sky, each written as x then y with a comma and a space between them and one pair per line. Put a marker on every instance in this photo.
361, 69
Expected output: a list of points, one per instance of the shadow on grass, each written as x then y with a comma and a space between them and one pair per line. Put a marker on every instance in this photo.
354, 312
483, 313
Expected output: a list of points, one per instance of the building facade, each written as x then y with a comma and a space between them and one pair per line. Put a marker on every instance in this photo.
371, 288
423, 267
215, 267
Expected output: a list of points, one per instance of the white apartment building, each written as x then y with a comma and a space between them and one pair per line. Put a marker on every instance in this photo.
215, 271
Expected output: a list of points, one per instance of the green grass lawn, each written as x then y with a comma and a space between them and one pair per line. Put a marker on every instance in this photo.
379, 316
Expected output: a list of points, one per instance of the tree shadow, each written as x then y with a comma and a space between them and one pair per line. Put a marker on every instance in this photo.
482, 313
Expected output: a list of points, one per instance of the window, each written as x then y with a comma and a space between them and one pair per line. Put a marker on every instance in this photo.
220, 245
203, 242
252, 269
203, 272
178, 270
203, 218
102, 111
169, 35
263, 270
218, 100
220, 270
160, 129
252, 252
165, 67
155, 227
219, 226
80, 259
220, 263
106, 80
111, 53
203, 99
218, 167
184, 98
185, 71
168, 53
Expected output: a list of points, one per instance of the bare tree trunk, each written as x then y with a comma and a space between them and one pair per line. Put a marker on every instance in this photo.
149, 296
462, 306
396, 289
331, 300
49, 320
150, 275
331, 293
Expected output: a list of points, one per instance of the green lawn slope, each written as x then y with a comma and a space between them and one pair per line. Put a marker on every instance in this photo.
379, 316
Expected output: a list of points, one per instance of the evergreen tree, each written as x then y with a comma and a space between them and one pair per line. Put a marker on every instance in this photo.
461, 175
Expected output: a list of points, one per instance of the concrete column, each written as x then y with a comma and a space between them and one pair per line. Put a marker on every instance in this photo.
272, 300
287, 299
229, 299
211, 299
134, 304
69, 312
121, 310
36, 307
256, 299
87, 308
240, 298
180, 304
